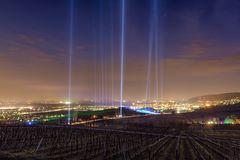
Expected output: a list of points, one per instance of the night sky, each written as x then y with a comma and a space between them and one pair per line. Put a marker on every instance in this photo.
193, 47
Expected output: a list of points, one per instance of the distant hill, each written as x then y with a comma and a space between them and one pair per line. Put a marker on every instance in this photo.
215, 97
217, 111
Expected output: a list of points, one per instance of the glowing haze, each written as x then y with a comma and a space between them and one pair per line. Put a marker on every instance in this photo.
197, 40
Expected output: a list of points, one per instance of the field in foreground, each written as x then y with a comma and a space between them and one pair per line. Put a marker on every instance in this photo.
78, 142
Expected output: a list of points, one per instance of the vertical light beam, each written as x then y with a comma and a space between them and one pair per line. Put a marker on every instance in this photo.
148, 83
156, 28
122, 53
150, 50
112, 52
70, 51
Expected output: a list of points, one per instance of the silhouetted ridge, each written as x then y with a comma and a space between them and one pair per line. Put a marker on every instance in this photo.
216, 97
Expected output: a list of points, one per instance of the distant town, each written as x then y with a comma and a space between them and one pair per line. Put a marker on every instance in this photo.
56, 111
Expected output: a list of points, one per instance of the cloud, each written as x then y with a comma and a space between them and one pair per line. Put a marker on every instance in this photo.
28, 39
203, 67
30, 69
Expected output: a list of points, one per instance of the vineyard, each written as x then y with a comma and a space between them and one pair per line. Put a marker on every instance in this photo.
82, 143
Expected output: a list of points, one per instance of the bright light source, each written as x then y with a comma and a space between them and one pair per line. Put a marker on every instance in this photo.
207, 105
68, 102
210, 122
196, 106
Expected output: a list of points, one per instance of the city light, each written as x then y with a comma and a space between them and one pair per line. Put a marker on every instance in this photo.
68, 102
120, 79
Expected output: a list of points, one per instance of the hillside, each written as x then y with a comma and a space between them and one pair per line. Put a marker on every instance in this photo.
215, 97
